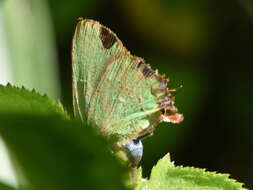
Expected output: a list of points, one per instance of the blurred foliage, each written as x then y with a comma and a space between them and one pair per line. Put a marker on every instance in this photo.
74, 10
31, 45
177, 25
5, 187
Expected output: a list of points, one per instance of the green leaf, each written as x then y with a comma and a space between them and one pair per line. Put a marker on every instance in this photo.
167, 176
20, 100
52, 153
6, 187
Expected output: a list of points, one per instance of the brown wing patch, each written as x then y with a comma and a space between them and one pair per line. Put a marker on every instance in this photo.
147, 71
144, 68
107, 38
138, 64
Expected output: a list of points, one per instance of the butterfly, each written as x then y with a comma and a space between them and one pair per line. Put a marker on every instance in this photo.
115, 92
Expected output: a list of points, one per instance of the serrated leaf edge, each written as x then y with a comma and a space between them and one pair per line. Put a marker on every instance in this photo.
34, 92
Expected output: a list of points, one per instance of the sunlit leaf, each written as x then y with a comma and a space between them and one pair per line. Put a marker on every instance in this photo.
21, 100
165, 175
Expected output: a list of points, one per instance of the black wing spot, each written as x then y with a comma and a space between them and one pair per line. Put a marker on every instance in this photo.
107, 38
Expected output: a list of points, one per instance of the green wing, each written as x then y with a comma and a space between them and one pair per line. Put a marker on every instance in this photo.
113, 91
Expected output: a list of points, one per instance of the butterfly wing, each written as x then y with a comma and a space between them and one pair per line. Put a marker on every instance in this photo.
92, 45
117, 93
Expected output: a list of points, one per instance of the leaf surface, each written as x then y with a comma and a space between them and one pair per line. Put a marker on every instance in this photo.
54, 153
21, 100
165, 175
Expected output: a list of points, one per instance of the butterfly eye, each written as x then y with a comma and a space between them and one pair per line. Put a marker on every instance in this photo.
135, 150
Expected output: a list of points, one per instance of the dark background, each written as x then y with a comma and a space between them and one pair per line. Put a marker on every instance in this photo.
206, 46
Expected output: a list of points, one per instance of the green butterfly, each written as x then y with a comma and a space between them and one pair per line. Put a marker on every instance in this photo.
115, 92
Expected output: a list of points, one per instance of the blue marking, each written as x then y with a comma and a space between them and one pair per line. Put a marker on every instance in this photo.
135, 149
